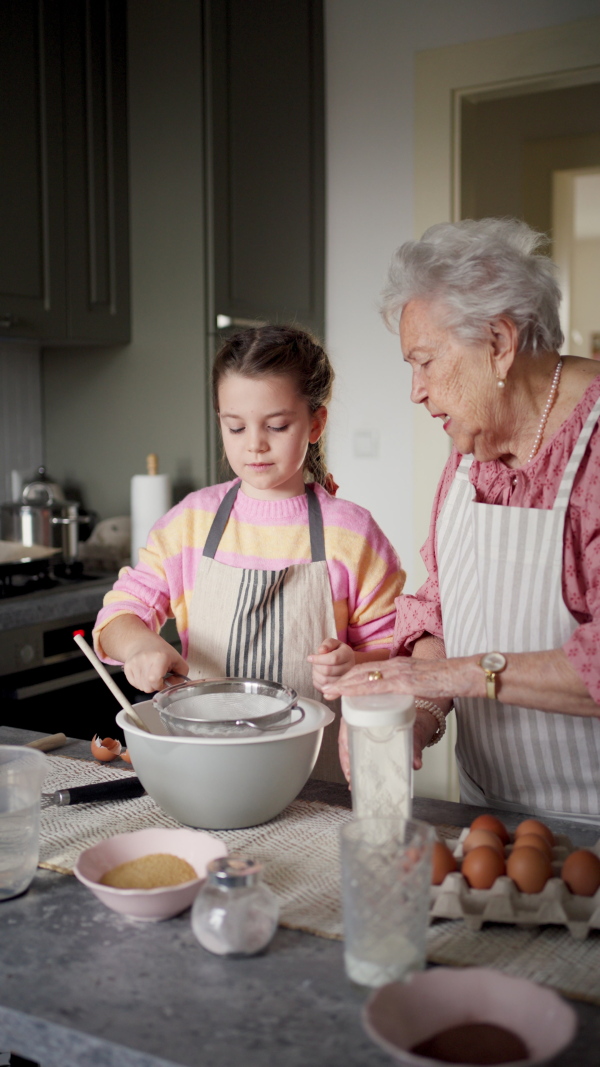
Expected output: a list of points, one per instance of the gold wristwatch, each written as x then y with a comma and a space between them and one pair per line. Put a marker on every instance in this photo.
492, 663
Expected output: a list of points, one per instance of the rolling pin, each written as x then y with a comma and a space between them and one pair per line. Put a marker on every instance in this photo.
46, 744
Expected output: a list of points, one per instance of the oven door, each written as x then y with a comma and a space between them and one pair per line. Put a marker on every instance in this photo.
59, 691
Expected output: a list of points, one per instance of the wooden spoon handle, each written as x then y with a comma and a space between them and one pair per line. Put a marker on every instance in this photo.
108, 680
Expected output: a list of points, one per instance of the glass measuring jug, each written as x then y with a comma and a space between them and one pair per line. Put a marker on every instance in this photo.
22, 771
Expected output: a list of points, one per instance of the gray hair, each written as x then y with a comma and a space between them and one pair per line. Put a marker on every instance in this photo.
479, 271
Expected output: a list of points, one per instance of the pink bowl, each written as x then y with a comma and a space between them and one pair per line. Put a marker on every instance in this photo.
400, 1015
149, 905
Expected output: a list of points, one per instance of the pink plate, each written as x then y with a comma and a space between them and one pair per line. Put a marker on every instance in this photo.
149, 905
400, 1015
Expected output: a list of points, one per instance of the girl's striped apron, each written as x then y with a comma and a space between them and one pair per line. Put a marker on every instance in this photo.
247, 623
500, 577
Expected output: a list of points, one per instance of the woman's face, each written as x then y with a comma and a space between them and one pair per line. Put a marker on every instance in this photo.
266, 431
454, 380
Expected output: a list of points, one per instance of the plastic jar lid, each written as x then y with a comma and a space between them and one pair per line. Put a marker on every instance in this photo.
388, 709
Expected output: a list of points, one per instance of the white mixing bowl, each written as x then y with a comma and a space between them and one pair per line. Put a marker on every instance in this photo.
224, 783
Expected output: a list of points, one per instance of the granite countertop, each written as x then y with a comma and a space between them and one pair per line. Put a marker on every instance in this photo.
81, 985
80, 599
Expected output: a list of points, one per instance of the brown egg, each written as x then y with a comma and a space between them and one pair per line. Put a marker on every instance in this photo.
105, 750
442, 863
476, 838
490, 822
482, 866
534, 841
534, 826
581, 872
529, 869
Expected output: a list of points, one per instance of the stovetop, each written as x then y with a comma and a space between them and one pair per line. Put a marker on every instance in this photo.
35, 576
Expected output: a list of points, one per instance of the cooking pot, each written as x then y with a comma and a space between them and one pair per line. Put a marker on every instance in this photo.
43, 517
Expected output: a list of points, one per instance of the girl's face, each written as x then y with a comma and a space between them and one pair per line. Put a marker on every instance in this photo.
266, 430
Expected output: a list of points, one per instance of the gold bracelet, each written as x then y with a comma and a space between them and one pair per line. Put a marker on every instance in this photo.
438, 714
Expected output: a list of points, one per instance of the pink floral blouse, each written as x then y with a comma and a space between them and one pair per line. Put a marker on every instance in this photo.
532, 486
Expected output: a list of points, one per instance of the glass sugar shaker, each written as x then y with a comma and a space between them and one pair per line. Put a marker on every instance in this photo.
380, 743
235, 913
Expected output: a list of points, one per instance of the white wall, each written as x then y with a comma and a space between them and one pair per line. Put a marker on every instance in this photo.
370, 57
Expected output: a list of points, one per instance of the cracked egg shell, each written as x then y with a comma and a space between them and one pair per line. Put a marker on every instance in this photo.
105, 750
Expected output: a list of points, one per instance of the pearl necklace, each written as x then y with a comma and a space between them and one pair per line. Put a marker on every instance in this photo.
546, 411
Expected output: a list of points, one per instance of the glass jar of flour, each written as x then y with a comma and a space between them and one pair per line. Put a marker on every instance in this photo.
380, 743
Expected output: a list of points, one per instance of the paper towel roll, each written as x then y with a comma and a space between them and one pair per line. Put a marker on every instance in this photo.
150, 499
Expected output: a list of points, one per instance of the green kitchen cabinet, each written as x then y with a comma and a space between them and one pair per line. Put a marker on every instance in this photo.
264, 72
64, 243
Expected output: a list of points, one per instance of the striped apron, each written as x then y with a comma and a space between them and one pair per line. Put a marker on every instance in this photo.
500, 578
249, 623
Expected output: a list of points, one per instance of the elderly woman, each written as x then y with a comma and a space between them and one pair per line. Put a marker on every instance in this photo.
507, 625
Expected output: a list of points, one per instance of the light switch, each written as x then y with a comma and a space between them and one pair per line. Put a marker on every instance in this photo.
366, 444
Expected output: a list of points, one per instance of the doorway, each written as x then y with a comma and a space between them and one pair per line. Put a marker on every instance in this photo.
536, 156
576, 251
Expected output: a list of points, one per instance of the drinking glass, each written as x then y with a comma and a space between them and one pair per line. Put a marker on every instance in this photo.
22, 772
386, 877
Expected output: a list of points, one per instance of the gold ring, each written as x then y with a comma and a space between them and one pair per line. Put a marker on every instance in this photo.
374, 676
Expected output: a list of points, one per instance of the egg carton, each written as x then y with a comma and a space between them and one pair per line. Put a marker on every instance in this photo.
504, 903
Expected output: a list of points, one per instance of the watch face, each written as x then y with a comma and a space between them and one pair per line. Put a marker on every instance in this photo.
493, 661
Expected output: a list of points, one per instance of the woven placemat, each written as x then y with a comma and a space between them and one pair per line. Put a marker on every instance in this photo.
300, 851
299, 848
545, 954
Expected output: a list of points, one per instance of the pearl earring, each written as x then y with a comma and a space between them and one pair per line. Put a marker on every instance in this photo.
501, 383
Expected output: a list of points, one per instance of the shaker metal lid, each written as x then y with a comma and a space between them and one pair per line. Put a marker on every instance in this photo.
233, 872
386, 709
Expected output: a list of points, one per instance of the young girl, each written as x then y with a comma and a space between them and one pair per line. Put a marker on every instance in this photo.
268, 575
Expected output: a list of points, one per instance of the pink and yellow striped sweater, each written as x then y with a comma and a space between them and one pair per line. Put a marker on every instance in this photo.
364, 570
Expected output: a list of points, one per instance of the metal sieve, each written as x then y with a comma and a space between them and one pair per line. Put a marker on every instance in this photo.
226, 707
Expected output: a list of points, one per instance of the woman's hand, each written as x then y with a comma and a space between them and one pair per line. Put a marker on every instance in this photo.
428, 678
331, 660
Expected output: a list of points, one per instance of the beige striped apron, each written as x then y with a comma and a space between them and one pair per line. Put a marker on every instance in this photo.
500, 578
248, 623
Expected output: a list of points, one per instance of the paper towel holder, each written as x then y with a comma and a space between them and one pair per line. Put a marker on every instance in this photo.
152, 463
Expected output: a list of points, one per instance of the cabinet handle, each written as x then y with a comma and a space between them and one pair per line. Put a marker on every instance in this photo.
8, 321
224, 321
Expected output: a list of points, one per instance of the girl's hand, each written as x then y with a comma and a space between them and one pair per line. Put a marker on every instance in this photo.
331, 660
146, 666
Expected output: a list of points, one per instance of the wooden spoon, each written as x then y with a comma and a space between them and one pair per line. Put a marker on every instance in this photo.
110, 682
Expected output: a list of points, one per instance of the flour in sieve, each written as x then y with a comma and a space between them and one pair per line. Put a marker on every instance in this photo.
218, 706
